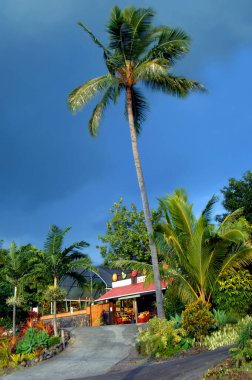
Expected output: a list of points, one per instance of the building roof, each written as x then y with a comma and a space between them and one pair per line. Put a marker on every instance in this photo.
128, 290
102, 275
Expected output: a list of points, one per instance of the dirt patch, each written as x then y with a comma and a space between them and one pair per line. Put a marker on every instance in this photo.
227, 371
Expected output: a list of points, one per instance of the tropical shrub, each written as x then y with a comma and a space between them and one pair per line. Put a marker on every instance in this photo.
243, 353
53, 340
5, 354
220, 317
233, 291
55, 294
32, 340
233, 318
245, 335
197, 319
172, 303
177, 320
226, 336
19, 358
160, 339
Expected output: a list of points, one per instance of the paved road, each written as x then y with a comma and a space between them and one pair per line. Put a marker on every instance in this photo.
187, 368
95, 351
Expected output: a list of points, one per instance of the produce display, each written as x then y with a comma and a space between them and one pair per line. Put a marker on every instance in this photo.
143, 317
123, 318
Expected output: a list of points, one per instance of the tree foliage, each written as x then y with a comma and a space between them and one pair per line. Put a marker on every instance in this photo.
238, 194
233, 292
126, 237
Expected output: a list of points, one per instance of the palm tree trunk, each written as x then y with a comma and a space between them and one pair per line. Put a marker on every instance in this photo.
14, 321
55, 311
14, 313
146, 208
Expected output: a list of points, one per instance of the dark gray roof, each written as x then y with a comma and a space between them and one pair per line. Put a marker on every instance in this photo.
102, 276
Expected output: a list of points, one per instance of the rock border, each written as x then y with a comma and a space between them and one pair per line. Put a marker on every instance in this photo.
48, 353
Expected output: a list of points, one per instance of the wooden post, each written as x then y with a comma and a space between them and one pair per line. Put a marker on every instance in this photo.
90, 316
63, 338
135, 308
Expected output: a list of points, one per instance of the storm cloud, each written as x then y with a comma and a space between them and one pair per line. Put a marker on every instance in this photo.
52, 171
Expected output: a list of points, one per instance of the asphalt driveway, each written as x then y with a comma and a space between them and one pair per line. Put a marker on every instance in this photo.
188, 368
95, 351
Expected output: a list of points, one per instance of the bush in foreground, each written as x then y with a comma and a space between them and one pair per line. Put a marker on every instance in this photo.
160, 339
243, 353
226, 336
197, 319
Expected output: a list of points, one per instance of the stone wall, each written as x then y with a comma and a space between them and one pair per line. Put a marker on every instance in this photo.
81, 320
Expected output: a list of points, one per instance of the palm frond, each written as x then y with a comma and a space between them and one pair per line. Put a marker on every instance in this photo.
237, 260
82, 261
181, 213
94, 38
173, 85
172, 44
207, 212
141, 19
94, 122
78, 245
199, 253
139, 108
120, 33
185, 290
54, 239
165, 210
151, 69
81, 95
230, 218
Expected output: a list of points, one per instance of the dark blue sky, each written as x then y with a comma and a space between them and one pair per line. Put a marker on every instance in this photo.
53, 172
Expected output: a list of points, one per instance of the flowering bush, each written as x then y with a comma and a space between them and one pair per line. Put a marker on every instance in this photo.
34, 321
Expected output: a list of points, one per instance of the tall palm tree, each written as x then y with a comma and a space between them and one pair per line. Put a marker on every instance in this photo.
137, 52
54, 262
203, 252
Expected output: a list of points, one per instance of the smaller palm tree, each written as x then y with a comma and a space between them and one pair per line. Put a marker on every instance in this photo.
16, 267
201, 251
54, 262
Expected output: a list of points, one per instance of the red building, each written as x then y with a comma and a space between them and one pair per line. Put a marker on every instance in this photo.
130, 299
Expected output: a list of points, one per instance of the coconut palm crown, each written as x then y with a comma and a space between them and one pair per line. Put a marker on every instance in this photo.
137, 52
